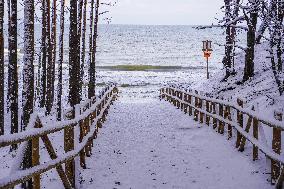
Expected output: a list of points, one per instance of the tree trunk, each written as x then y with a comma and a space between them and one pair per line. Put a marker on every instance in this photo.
234, 33
83, 51
80, 15
13, 70
1, 67
276, 43
92, 69
49, 91
228, 49
74, 64
53, 46
265, 23
44, 56
279, 34
28, 78
60, 62
90, 95
249, 57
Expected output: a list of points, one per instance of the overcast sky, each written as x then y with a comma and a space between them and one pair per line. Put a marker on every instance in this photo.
169, 12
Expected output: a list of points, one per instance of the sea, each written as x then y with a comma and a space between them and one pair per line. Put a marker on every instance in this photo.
146, 55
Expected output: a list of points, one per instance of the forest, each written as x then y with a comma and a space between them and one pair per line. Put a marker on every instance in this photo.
49, 64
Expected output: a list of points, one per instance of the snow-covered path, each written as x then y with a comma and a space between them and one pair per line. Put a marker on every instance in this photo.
146, 143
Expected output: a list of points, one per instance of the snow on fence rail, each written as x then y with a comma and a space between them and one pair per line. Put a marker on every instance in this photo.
86, 117
221, 114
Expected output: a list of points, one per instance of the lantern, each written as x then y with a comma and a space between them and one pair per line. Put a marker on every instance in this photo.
207, 49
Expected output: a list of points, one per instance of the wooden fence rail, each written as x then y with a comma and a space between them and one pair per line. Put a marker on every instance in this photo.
224, 116
80, 128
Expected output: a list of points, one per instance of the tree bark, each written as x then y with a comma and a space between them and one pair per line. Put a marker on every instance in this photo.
249, 57
83, 51
265, 23
92, 69
53, 59
90, 94
228, 48
13, 70
60, 62
74, 64
49, 92
28, 78
80, 15
1, 67
44, 56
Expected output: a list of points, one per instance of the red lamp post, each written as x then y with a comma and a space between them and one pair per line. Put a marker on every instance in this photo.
207, 50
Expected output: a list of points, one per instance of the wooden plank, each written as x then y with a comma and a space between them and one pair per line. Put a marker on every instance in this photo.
240, 122
190, 108
53, 155
201, 120
82, 152
229, 117
208, 110
243, 139
35, 156
255, 135
276, 147
69, 146
196, 112
214, 112
221, 123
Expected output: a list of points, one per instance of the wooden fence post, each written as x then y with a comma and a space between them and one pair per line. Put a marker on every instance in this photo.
81, 137
255, 135
208, 110
221, 123
214, 112
35, 156
181, 103
190, 107
196, 104
240, 122
185, 105
276, 146
227, 115
69, 146
201, 114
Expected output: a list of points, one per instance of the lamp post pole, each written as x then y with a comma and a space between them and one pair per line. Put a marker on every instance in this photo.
207, 67
207, 49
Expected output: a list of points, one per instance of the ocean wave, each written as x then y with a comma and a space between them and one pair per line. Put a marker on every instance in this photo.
147, 68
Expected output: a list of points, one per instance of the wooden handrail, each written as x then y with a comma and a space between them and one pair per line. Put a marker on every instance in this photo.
9, 139
88, 116
193, 102
270, 123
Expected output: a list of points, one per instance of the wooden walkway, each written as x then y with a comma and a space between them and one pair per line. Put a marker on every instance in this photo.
146, 143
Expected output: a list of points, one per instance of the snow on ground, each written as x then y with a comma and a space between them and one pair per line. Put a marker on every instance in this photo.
146, 143
261, 90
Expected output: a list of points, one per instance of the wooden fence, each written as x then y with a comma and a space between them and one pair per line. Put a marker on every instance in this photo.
83, 120
226, 116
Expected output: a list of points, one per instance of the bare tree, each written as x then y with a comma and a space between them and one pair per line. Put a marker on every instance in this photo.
1, 67
90, 93
12, 69
251, 34
60, 61
83, 43
276, 30
28, 77
49, 91
74, 64
92, 69
53, 54
44, 55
